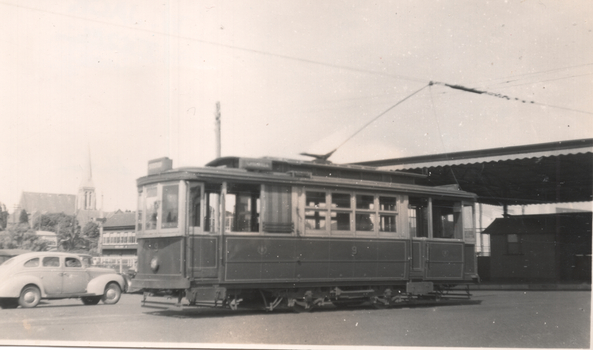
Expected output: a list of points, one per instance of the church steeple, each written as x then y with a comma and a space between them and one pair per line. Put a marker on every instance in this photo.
87, 199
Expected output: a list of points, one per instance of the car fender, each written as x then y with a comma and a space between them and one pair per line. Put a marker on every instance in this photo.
12, 288
97, 285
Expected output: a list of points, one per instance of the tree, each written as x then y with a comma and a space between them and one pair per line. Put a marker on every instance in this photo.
23, 218
67, 229
91, 230
3, 217
91, 233
48, 222
22, 236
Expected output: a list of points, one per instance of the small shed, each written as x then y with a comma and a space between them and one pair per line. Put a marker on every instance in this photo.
541, 248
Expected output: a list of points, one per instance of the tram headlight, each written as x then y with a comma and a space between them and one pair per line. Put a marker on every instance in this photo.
154, 264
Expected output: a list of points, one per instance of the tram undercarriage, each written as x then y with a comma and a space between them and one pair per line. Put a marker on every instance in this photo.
307, 299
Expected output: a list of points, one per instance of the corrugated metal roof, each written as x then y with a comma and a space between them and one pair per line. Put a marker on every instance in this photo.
540, 150
531, 174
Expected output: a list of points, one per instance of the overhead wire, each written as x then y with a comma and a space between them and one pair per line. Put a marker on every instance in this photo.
234, 47
381, 114
347, 68
505, 80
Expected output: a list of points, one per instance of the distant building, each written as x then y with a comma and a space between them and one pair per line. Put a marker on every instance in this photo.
83, 205
118, 239
541, 248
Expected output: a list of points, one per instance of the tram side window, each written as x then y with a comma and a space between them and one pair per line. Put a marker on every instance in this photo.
418, 216
341, 212
242, 208
387, 214
446, 221
365, 212
316, 212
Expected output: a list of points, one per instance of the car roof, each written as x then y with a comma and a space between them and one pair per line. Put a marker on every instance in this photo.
43, 254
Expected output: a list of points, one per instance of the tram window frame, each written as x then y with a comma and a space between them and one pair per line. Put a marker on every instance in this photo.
362, 206
419, 223
468, 222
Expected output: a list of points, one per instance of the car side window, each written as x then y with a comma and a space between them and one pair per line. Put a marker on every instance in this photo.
73, 262
51, 261
32, 263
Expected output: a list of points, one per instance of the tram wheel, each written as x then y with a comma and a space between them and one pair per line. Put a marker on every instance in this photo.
346, 304
302, 306
379, 304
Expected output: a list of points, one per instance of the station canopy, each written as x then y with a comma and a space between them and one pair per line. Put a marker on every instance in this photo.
554, 172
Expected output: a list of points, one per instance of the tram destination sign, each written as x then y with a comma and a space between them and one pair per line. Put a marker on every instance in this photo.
255, 164
159, 165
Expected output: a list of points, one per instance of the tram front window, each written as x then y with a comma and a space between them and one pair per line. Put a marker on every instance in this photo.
152, 208
170, 206
161, 203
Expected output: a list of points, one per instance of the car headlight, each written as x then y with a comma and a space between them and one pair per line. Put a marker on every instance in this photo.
154, 264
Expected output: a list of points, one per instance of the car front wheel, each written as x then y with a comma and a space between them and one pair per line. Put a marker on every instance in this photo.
30, 296
112, 293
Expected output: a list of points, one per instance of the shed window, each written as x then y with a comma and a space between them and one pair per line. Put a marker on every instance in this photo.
513, 244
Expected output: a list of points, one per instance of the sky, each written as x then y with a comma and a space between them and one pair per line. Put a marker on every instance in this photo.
130, 81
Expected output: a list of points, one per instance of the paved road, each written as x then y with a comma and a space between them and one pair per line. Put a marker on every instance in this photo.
546, 319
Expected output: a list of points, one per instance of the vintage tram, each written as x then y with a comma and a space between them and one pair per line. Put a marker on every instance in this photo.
290, 233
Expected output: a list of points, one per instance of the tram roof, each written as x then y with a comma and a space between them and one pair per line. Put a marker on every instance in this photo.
316, 168
554, 172
286, 171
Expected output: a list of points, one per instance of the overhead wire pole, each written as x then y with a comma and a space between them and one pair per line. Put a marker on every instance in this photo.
218, 131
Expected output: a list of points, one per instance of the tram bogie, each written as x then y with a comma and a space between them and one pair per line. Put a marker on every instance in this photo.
280, 233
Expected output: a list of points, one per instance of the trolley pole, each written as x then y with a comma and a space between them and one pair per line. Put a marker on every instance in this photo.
218, 141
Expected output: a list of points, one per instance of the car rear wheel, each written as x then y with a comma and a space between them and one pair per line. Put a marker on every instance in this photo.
30, 296
112, 293
91, 300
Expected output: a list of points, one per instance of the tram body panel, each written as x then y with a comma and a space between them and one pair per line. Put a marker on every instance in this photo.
161, 263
